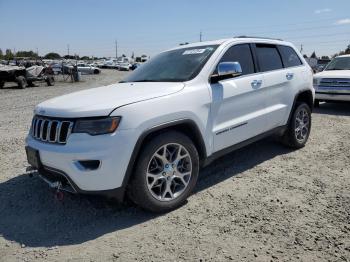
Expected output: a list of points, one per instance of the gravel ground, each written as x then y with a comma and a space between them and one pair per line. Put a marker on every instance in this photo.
260, 203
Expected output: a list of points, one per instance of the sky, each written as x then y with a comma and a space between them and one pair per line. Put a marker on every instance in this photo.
91, 28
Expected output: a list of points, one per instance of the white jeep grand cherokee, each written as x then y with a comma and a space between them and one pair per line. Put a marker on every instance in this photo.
148, 135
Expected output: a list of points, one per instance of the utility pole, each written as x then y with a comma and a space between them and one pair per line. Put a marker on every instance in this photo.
37, 52
301, 48
68, 49
116, 49
200, 36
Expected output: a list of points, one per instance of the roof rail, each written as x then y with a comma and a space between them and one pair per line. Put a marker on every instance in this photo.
259, 37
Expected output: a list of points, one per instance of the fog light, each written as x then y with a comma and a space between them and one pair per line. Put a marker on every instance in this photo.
88, 165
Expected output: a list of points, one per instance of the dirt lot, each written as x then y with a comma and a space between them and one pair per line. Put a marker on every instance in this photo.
260, 203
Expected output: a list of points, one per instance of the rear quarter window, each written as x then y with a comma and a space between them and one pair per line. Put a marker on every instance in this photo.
289, 56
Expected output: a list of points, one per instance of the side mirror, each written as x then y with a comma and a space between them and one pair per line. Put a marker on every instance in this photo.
227, 70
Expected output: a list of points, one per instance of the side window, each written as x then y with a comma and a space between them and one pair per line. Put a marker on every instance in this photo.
268, 57
289, 56
241, 54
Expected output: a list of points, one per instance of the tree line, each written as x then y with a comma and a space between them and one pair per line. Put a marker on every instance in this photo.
344, 52
9, 55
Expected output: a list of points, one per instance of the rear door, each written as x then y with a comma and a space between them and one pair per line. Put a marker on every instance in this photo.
277, 82
296, 74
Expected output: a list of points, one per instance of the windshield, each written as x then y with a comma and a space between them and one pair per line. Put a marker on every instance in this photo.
173, 66
339, 63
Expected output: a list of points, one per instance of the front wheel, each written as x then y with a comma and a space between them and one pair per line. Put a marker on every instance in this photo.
299, 127
166, 172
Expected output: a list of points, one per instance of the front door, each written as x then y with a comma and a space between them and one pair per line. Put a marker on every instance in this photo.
238, 106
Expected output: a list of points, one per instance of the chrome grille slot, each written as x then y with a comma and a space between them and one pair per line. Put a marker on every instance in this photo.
51, 130
341, 83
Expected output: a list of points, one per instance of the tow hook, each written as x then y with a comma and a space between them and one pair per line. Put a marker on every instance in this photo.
59, 195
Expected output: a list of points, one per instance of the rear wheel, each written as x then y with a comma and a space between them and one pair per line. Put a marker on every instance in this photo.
299, 127
2, 83
166, 172
21, 81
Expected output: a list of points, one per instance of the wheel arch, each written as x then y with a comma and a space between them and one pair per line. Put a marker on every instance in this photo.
303, 96
186, 126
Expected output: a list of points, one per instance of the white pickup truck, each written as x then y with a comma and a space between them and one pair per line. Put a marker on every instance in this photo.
333, 83
148, 135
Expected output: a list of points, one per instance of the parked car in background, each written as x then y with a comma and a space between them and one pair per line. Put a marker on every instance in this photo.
333, 83
124, 66
110, 64
148, 135
26, 76
88, 69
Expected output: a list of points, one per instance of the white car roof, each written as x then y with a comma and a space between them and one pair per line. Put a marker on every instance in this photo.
343, 56
233, 40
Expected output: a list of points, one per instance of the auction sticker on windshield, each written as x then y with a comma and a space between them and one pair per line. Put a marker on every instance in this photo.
194, 51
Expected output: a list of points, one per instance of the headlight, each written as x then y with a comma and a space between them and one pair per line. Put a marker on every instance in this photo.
97, 126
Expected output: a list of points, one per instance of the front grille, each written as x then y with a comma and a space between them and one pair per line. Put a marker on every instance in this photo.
337, 83
51, 130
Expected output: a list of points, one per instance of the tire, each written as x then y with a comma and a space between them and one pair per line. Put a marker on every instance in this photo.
317, 103
157, 187
297, 138
96, 71
22, 82
2, 83
50, 81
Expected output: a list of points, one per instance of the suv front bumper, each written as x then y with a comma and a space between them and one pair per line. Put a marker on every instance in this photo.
62, 161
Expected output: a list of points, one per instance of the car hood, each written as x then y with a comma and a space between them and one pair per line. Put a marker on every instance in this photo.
333, 74
102, 101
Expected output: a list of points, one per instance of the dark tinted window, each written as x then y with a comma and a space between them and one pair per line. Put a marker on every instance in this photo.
289, 56
268, 57
241, 54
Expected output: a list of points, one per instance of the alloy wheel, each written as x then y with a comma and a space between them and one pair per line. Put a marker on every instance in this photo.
302, 125
169, 172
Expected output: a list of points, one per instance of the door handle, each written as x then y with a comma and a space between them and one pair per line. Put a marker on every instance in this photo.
256, 83
289, 76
